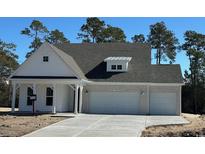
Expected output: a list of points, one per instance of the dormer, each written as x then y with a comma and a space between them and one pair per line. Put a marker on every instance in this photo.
117, 64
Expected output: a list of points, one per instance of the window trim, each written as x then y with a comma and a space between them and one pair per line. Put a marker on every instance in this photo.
45, 58
49, 96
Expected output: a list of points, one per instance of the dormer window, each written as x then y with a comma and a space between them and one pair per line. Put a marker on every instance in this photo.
119, 67
117, 64
45, 58
113, 67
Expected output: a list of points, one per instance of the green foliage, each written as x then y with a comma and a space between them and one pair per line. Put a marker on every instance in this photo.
187, 77
91, 30
138, 38
8, 63
56, 37
188, 106
8, 59
164, 41
35, 44
96, 31
37, 31
112, 34
194, 46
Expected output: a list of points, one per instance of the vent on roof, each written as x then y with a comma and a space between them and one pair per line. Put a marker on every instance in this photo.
117, 64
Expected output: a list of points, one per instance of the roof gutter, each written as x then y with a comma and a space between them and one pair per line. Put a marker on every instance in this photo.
130, 83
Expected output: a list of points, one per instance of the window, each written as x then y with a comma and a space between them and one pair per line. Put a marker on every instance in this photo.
29, 93
116, 67
113, 67
119, 67
49, 96
45, 58
117, 64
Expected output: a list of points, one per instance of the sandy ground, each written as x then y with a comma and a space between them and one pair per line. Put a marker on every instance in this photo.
18, 125
196, 127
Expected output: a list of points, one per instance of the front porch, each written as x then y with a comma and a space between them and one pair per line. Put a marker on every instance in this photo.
52, 95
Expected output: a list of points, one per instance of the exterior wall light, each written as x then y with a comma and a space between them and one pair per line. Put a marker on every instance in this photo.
142, 93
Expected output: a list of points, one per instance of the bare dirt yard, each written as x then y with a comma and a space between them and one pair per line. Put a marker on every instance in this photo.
196, 128
21, 124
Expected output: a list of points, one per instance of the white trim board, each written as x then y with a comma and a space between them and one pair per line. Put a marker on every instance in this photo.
46, 81
133, 83
87, 82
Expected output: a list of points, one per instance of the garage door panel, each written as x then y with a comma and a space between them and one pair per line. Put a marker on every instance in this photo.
163, 103
114, 102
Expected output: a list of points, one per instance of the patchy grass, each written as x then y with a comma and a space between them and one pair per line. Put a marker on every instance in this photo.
195, 128
21, 124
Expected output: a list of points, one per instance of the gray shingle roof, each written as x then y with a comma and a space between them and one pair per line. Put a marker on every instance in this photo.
166, 73
89, 58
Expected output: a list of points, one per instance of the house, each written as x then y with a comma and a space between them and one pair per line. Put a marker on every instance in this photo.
106, 78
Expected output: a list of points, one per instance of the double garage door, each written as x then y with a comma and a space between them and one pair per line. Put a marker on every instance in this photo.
114, 102
129, 103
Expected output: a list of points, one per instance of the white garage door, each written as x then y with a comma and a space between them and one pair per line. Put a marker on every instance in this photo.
163, 103
114, 102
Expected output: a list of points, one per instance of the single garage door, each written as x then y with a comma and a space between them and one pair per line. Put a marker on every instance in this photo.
114, 102
163, 103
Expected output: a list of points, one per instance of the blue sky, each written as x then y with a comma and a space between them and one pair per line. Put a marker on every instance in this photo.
10, 30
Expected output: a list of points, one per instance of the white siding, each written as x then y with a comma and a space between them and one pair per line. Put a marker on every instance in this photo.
23, 99
64, 98
132, 99
34, 66
41, 99
123, 63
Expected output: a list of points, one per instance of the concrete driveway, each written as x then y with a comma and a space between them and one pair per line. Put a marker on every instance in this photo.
90, 125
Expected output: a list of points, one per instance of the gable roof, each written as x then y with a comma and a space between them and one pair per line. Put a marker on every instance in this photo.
90, 58
69, 61
65, 59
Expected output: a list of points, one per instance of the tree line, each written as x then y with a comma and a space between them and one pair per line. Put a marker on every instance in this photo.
162, 40
97, 31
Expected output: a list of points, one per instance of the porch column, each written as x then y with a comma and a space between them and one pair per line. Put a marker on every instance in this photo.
76, 99
80, 99
34, 92
54, 99
13, 97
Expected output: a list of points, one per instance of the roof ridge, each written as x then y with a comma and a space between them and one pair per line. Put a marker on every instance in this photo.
105, 43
